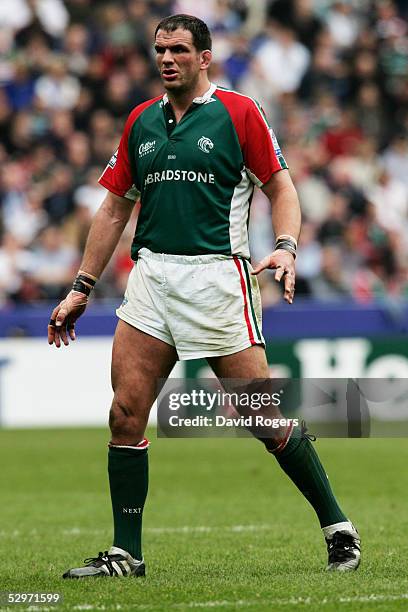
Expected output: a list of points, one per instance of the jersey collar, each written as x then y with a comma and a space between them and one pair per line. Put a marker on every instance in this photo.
201, 99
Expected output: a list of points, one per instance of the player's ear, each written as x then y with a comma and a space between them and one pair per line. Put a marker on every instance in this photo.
206, 57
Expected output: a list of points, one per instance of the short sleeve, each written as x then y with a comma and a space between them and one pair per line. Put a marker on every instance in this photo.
117, 176
262, 153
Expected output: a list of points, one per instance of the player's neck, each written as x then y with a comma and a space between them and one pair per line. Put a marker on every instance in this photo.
182, 101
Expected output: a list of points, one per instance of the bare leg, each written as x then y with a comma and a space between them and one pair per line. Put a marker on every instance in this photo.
248, 364
251, 367
138, 362
295, 454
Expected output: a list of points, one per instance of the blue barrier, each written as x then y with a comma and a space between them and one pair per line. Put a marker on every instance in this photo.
304, 319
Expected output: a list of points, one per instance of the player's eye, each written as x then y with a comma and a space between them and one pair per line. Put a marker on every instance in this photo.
175, 49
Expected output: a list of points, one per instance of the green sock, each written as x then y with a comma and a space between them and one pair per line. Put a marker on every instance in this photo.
128, 478
301, 463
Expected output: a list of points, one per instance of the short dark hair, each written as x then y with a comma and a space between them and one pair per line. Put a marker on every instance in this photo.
199, 30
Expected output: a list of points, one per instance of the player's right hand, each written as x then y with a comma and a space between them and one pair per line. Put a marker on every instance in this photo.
64, 316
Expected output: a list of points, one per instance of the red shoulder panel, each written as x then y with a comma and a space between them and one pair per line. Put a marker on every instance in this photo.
261, 151
117, 176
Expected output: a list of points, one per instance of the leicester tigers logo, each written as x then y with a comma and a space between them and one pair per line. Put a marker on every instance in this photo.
205, 144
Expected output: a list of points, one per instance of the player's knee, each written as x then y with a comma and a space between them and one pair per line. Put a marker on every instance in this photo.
296, 435
124, 420
276, 440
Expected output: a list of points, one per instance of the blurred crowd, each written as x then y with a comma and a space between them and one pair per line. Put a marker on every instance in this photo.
331, 75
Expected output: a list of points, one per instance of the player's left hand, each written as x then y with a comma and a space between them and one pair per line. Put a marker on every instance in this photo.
284, 263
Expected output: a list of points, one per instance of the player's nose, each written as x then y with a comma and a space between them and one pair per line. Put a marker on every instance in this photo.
168, 57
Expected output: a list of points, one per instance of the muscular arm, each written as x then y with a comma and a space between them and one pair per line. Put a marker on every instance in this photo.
106, 229
282, 194
286, 219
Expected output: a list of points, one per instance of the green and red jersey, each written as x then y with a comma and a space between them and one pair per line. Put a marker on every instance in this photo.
195, 179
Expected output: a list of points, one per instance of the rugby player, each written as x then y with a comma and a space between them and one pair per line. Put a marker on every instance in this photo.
192, 157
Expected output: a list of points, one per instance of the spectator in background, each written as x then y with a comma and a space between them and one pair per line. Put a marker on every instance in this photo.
81, 11
300, 16
58, 203
50, 14
6, 116
314, 195
283, 60
161, 8
343, 23
15, 264
20, 89
21, 134
370, 113
332, 283
309, 258
75, 48
390, 199
22, 212
103, 137
395, 159
204, 9
24, 217
389, 23
332, 77
117, 94
332, 229
237, 63
54, 263
60, 129
362, 168
20, 15
344, 136
307, 25
78, 155
57, 89
90, 195
140, 73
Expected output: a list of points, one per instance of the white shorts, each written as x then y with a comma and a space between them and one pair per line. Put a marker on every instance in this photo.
204, 305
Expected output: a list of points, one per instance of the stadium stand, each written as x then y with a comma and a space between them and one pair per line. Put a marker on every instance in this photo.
332, 77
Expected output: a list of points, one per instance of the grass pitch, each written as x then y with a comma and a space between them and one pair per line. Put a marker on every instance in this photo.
224, 528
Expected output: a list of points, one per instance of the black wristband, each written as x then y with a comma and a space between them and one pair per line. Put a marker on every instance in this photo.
86, 280
83, 284
81, 287
287, 245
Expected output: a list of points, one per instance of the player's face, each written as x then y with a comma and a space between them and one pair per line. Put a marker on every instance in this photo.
178, 60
